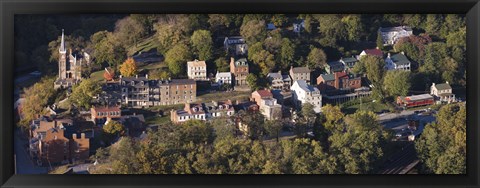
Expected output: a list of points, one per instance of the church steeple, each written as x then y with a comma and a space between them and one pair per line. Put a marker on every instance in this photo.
62, 45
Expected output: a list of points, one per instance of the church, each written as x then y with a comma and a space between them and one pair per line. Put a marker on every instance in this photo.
70, 66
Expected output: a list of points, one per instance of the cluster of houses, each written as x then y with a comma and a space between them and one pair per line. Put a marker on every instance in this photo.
60, 141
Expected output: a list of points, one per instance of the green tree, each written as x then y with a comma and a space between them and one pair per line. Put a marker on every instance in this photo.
287, 53
331, 29
253, 31
316, 58
359, 147
397, 83
375, 71
177, 57
442, 146
83, 93
380, 41
222, 65
37, 97
203, 44
107, 49
114, 128
252, 81
333, 118
433, 24
273, 128
159, 74
354, 26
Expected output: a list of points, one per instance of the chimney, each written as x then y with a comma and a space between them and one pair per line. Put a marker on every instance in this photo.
82, 135
121, 76
232, 59
74, 136
403, 53
146, 76
136, 76
70, 50
447, 82
388, 55
433, 84
134, 113
377, 48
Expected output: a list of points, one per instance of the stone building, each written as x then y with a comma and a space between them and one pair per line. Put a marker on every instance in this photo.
300, 73
70, 66
197, 70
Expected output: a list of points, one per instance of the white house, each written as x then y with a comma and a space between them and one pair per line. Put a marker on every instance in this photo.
197, 70
303, 93
391, 35
442, 92
223, 78
397, 62
235, 45
298, 26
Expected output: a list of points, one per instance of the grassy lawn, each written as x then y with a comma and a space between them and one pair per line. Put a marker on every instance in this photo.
144, 45
157, 120
221, 96
98, 76
370, 106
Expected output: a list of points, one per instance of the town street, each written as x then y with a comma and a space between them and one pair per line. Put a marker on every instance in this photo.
24, 164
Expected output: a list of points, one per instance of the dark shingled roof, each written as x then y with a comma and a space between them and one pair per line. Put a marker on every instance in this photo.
349, 59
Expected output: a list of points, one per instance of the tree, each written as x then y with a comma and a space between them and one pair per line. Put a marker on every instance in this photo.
83, 93
255, 123
359, 68
287, 53
222, 65
253, 31
354, 26
37, 97
279, 20
252, 81
147, 21
177, 57
316, 58
442, 146
129, 68
433, 24
159, 74
380, 41
223, 128
107, 48
264, 60
129, 31
331, 29
333, 118
397, 83
375, 71
359, 147
273, 128
113, 128
203, 44
171, 30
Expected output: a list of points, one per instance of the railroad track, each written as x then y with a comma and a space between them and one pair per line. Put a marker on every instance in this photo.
402, 162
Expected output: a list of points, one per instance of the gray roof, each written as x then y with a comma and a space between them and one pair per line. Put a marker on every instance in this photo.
308, 88
300, 70
400, 59
349, 59
286, 77
335, 66
328, 77
443, 86
275, 75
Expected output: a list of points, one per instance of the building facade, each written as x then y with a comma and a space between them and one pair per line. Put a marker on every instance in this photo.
338, 81
415, 100
223, 78
235, 45
303, 93
203, 111
267, 104
299, 73
278, 81
143, 92
101, 114
239, 69
398, 62
334, 66
49, 145
197, 70
442, 92
69, 66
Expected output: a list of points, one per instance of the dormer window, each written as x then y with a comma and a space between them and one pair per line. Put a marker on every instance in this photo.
133, 83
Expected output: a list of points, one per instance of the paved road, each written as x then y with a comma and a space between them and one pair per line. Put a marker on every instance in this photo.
24, 164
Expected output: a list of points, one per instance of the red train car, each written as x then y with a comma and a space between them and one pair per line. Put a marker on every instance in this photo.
415, 100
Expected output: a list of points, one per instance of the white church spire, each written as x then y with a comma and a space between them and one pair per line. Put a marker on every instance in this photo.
62, 45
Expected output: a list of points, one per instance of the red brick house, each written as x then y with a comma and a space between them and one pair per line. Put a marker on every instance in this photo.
338, 81
101, 114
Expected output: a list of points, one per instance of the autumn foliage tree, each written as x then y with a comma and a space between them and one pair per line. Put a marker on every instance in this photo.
128, 68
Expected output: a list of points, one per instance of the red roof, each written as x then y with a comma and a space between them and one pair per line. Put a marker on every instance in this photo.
264, 93
106, 109
375, 52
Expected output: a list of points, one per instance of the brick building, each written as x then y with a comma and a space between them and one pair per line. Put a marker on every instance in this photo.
101, 114
239, 69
